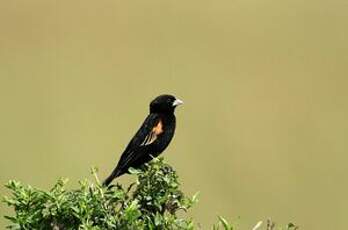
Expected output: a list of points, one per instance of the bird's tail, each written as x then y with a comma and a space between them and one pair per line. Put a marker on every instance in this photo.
116, 173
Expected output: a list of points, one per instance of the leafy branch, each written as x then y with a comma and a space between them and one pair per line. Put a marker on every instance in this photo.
152, 202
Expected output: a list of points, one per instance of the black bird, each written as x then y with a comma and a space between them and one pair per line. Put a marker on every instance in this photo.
151, 139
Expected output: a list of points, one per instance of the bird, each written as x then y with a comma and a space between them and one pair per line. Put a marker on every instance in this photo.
152, 138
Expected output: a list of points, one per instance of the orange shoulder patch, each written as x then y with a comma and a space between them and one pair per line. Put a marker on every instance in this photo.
158, 129
153, 135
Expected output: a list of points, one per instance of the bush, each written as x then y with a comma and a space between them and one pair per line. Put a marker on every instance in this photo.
153, 202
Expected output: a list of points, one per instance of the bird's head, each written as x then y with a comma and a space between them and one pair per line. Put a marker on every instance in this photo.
164, 104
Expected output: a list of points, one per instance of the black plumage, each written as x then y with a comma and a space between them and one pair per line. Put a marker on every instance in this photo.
152, 138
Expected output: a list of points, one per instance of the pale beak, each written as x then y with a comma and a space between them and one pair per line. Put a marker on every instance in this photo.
177, 102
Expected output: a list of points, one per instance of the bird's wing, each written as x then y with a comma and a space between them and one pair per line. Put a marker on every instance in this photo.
146, 135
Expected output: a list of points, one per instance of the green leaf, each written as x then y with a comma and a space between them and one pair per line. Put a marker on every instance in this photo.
225, 224
134, 171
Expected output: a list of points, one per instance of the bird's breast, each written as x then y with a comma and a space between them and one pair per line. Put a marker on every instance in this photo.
165, 130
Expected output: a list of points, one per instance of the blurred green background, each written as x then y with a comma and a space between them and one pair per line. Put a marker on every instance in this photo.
263, 132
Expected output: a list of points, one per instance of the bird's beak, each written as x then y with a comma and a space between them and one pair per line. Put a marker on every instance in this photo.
177, 102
